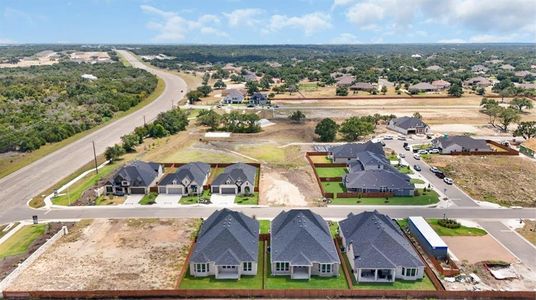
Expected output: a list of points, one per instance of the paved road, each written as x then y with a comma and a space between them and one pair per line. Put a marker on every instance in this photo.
17, 188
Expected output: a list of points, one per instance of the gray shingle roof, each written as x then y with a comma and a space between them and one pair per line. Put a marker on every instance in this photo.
422, 86
351, 150
301, 237
138, 173
227, 238
375, 179
362, 86
194, 171
378, 242
465, 141
408, 122
239, 172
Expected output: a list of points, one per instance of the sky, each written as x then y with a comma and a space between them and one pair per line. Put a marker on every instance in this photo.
267, 22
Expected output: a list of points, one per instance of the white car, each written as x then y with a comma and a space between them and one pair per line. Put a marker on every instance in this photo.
387, 137
434, 151
448, 180
434, 169
422, 151
401, 138
402, 155
416, 156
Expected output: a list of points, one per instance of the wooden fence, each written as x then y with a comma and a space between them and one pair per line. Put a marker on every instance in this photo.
452, 270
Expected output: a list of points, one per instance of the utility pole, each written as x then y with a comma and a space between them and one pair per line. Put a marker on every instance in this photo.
95, 157
144, 122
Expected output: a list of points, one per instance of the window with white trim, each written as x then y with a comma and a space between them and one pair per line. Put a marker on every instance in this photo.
201, 268
324, 268
282, 266
247, 266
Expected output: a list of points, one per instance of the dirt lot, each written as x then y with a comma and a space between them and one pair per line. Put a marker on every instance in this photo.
479, 177
473, 249
288, 187
528, 231
113, 254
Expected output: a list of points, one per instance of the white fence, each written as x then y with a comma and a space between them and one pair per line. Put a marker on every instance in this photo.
25, 264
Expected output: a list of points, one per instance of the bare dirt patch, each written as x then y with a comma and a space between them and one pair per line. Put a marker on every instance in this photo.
288, 187
506, 180
133, 254
474, 249
528, 231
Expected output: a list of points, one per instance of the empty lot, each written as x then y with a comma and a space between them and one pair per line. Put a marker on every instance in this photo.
113, 254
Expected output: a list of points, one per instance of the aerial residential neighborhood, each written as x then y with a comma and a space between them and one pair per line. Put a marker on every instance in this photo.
267, 150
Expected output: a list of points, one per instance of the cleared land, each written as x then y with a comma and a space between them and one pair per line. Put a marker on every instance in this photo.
113, 254
479, 177
473, 249
528, 231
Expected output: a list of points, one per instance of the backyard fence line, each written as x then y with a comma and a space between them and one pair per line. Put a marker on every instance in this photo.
34, 256
507, 150
186, 264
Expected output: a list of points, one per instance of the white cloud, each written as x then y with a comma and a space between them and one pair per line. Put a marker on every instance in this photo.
172, 27
345, 38
4, 41
490, 38
451, 41
309, 23
365, 14
245, 16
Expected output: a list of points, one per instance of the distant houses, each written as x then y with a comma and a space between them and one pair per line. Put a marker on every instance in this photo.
188, 179
479, 69
528, 148
227, 246
378, 250
477, 82
233, 96
408, 125
452, 144
434, 68
441, 84
345, 80
301, 246
134, 178
362, 86
345, 153
258, 99
422, 87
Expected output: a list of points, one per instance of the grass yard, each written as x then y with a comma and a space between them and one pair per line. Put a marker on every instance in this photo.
284, 282
462, 231
430, 197
333, 187
194, 199
19, 242
252, 199
272, 154
308, 86
321, 159
148, 199
264, 226
109, 200
404, 169
75, 191
416, 181
245, 282
331, 172
333, 228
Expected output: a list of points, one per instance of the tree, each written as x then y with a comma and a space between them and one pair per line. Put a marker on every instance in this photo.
455, 90
327, 130
417, 115
172, 121
264, 83
130, 141
384, 90
491, 108
251, 87
292, 89
219, 84
341, 91
355, 127
508, 116
526, 130
297, 116
520, 103
193, 96
204, 90
114, 152
158, 131
209, 118
480, 91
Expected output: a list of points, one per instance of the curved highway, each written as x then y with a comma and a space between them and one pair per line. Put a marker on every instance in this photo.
18, 187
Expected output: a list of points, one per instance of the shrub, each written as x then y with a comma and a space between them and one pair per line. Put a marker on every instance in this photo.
448, 223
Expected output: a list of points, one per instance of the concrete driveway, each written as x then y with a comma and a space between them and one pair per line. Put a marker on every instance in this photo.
222, 200
132, 200
168, 200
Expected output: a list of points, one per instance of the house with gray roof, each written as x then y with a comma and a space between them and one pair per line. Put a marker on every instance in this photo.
477, 81
362, 86
422, 87
258, 99
188, 179
236, 179
301, 246
381, 180
441, 84
227, 246
134, 178
460, 143
479, 69
345, 80
345, 153
408, 125
508, 67
378, 250
233, 96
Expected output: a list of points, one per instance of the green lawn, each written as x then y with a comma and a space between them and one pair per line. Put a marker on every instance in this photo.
308, 87
19, 242
416, 181
333, 187
393, 157
462, 231
320, 159
333, 228
252, 199
264, 226
284, 282
148, 199
430, 197
75, 191
245, 282
331, 172
194, 199
404, 169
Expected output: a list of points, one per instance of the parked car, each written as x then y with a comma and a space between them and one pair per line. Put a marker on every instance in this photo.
417, 168
440, 175
406, 148
416, 156
434, 170
388, 137
402, 155
422, 151
448, 180
383, 143
401, 138
434, 151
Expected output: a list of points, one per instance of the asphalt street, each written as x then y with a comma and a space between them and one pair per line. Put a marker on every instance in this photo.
18, 187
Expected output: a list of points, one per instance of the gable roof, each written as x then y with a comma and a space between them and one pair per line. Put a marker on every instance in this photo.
345, 80
378, 242
440, 83
138, 173
301, 237
227, 238
194, 171
377, 178
422, 86
362, 86
237, 172
465, 142
408, 122
351, 150
234, 93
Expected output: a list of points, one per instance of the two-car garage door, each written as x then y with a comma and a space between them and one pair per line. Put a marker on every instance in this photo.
137, 190
228, 190
176, 190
